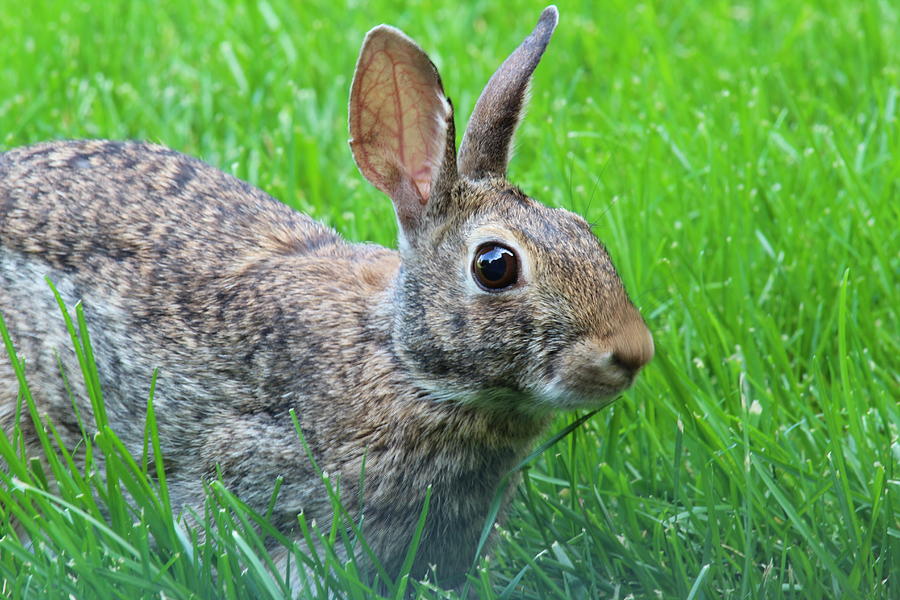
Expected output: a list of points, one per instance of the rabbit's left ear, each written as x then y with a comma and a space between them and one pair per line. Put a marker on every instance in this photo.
401, 124
484, 151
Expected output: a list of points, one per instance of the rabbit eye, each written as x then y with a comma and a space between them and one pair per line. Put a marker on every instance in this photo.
495, 267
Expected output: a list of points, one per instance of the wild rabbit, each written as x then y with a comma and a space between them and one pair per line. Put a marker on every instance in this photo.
438, 363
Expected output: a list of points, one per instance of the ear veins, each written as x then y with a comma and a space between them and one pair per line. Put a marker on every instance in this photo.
397, 118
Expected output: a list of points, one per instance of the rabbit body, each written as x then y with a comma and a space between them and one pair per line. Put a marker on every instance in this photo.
399, 359
251, 309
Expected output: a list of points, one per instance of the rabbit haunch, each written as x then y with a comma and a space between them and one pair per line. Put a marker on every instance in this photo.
249, 309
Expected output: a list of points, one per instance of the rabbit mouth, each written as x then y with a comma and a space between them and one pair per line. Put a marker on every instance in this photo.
586, 386
590, 374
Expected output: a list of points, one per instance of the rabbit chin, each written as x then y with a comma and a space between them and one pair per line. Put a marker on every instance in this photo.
536, 401
584, 387
556, 395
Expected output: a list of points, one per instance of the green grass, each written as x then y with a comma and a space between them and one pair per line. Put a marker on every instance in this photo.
740, 161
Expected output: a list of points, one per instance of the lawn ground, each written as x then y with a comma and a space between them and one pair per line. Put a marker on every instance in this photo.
741, 161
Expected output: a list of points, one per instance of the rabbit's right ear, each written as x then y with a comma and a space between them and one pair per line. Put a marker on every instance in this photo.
401, 125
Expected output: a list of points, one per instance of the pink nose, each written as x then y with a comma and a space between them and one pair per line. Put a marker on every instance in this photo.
632, 346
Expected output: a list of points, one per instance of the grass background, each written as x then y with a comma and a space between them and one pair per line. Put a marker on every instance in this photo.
741, 162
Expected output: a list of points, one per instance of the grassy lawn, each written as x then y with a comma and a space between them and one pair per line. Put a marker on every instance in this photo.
741, 161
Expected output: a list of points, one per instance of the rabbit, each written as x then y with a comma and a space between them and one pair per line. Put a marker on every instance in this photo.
437, 364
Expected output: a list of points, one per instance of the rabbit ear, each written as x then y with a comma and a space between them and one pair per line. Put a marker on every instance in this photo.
401, 124
485, 148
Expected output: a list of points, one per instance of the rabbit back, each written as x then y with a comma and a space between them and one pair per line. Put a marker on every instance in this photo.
82, 203
233, 296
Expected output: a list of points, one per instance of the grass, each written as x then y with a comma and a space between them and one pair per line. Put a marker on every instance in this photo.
740, 160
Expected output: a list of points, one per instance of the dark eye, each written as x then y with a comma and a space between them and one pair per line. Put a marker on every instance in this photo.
495, 267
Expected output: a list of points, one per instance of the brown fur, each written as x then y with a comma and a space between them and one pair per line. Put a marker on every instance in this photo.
250, 310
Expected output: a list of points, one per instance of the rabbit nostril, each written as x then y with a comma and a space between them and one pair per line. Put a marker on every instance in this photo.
627, 361
635, 349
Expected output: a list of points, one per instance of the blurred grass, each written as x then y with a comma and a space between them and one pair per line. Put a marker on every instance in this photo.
740, 161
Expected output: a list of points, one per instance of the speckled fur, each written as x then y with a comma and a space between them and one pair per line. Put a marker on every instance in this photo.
250, 309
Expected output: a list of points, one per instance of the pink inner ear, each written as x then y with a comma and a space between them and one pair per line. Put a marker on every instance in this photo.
397, 117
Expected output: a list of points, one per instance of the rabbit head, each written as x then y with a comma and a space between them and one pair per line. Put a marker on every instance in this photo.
499, 300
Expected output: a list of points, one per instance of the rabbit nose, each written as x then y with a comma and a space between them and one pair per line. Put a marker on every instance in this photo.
632, 347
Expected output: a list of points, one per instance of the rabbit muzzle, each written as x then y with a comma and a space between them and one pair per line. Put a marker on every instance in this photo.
593, 370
